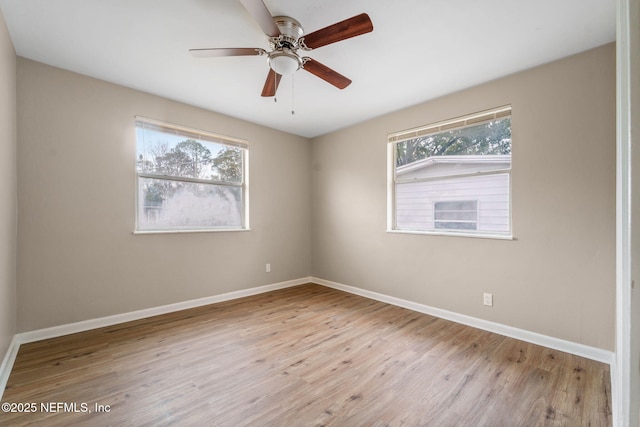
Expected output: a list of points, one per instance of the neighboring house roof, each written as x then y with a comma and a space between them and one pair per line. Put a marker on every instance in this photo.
453, 165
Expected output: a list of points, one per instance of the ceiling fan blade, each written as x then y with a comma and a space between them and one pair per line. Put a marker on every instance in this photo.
232, 51
271, 84
262, 16
360, 24
326, 73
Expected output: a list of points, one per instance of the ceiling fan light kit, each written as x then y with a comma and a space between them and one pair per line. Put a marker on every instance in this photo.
284, 62
286, 37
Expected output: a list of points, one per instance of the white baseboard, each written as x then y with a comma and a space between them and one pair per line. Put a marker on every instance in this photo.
588, 352
581, 350
85, 325
7, 363
72, 328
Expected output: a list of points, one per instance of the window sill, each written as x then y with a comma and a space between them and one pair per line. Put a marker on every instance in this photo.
452, 234
217, 230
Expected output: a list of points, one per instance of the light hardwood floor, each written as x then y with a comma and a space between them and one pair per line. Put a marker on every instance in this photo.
304, 356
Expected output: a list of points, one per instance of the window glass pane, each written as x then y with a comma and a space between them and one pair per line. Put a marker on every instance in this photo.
189, 180
169, 154
174, 205
489, 138
455, 179
419, 205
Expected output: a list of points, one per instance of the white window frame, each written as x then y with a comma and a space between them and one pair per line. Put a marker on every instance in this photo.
203, 136
456, 123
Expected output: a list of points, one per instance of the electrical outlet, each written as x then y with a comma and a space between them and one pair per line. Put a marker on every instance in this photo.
268, 268
488, 299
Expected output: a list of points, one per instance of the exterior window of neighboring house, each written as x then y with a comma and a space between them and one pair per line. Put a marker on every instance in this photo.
452, 177
189, 180
459, 215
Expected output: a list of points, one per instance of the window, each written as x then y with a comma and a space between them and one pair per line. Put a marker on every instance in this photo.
453, 177
456, 215
189, 180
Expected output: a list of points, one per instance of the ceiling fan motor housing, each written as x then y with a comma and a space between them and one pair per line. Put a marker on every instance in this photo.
290, 31
284, 59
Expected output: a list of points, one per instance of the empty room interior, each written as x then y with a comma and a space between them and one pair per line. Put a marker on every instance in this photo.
268, 212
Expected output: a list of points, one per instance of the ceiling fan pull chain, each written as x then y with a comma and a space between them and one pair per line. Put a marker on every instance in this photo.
293, 98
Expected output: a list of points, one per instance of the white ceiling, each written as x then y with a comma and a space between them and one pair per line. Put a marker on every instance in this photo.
418, 50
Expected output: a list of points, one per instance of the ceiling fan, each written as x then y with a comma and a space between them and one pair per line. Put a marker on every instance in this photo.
286, 38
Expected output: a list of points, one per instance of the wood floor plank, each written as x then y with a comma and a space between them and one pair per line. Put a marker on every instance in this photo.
303, 356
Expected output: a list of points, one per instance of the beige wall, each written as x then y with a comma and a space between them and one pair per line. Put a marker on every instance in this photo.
8, 189
557, 277
78, 259
77, 256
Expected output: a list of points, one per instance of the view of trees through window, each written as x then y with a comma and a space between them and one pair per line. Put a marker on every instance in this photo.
187, 183
493, 137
